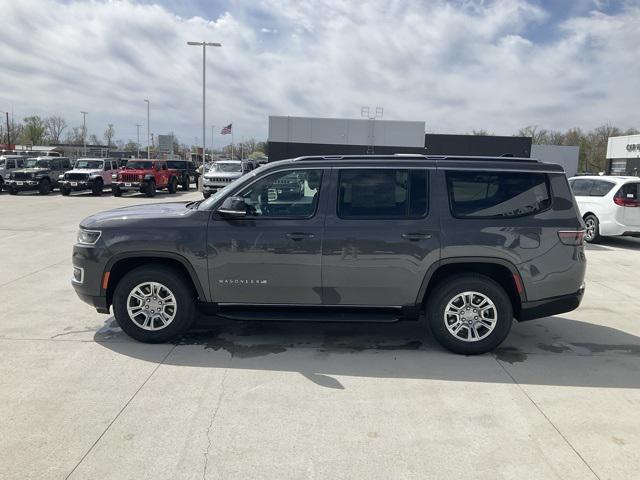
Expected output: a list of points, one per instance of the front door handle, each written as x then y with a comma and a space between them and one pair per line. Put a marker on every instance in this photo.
297, 236
414, 237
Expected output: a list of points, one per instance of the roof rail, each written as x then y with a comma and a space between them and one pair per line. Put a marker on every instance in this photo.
508, 157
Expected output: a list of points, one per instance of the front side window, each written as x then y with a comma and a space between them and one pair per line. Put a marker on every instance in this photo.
291, 194
474, 194
382, 193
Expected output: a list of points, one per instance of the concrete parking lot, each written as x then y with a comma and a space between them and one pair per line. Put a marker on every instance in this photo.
560, 399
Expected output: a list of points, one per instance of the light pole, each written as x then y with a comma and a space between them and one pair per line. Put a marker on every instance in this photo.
8, 130
84, 132
148, 130
138, 144
204, 46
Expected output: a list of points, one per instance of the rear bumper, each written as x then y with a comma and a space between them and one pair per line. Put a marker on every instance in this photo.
614, 228
551, 306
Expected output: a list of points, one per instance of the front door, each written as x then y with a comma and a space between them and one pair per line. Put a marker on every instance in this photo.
273, 255
381, 235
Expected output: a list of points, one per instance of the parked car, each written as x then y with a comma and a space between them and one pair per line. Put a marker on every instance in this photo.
89, 174
9, 163
609, 205
39, 173
145, 176
472, 242
219, 175
187, 170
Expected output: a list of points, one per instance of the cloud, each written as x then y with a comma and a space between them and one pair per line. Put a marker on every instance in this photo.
457, 65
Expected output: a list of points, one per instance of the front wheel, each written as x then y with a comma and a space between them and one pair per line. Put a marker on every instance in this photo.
151, 189
96, 188
154, 304
185, 184
206, 195
44, 187
173, 185
592, 229
12, 190
65, 191
116, 191
469, 314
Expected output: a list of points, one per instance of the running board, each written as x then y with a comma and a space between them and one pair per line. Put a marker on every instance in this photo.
365, 315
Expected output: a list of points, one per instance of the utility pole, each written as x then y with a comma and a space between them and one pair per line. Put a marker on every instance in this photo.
148, 130
138, 144
8, 131
204, 46
84, 132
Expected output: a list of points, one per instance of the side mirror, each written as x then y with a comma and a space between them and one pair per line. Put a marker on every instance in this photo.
233, 207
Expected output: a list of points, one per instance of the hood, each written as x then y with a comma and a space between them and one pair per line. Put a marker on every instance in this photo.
222, 174
130, 215
32, 170
85, 170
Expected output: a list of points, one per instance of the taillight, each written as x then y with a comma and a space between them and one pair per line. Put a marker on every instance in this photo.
626, 202
571, 237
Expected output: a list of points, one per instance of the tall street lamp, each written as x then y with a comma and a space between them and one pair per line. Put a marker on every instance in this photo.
138, 144
148, 130
204, 46
84, 132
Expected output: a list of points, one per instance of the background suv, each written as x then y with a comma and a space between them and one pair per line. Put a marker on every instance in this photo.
8, 163
471, 242
609, 205
40, 173
89, 173
219, 175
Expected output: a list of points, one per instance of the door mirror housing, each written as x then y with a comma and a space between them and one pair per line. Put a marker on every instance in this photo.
233, 207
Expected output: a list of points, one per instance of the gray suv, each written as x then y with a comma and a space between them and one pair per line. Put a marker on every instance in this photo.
471, 242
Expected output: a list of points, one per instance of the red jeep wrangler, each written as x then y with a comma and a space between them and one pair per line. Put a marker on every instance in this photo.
145, 176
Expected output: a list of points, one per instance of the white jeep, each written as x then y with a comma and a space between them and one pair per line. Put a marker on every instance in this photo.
89, 174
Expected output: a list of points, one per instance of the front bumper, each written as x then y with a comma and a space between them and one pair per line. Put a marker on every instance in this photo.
129, 185
211, 188
88, 285
22, 184
76, 184
551, 306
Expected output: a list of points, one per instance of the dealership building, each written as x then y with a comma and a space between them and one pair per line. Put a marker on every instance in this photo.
291, 137
623, 155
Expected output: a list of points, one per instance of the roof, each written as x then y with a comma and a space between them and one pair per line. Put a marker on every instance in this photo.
620, 178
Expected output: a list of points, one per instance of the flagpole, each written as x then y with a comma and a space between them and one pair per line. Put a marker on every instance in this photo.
232, 141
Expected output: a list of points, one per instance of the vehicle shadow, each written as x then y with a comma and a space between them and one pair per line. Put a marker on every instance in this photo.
551, 351
627, 243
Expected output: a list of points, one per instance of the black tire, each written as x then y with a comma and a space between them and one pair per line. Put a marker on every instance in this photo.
175, 282
12, 190
96, 188
150, 189
206, 195
592, 233
116, 191
173, 185
1, 186
447, 291
65, 191
44, 187
185, 184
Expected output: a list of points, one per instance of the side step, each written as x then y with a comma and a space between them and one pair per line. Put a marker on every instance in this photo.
310, 314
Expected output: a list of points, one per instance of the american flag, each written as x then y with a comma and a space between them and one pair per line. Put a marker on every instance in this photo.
226, 130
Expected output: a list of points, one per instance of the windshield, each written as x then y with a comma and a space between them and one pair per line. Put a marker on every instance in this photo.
2, 162
43, 164
31, 162
176, 164
89, 164
139, 165
226, 167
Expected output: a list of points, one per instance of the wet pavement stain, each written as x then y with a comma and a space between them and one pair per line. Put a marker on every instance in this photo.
510, 355
235, 349
554, 348
630, 349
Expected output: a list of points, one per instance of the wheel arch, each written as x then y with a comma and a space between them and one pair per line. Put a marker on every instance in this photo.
502, 271
120, 265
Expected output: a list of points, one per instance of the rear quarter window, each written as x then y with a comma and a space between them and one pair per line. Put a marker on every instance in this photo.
476, 194
600, 188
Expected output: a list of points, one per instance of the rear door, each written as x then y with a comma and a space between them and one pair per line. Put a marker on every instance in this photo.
630, 194
381, 235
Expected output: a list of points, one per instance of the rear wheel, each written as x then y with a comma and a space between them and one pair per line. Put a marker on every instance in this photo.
592, 229
44, 187
154, 304
469, 314
116, 191
96, 188
151, 189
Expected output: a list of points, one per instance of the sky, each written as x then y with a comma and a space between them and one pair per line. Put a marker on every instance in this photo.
457, 65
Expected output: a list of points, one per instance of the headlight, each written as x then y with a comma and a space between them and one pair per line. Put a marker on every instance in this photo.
61, 176
140, 178
88, 237
114, 176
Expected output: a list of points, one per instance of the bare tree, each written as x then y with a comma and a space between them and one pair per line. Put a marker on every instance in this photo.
54, 126
109, 133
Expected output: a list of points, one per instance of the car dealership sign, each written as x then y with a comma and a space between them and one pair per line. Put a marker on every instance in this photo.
633, 147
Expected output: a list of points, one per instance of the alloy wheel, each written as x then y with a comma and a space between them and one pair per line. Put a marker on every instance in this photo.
470, 316
151, 306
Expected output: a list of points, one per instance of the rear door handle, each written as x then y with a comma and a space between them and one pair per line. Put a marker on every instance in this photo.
414, 237
297, 236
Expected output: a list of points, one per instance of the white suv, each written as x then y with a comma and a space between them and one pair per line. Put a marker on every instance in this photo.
609, 205
89, 173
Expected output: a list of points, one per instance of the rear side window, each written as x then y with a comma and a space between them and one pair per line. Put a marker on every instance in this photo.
475, 194
383, 193
581, 187
600, 188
